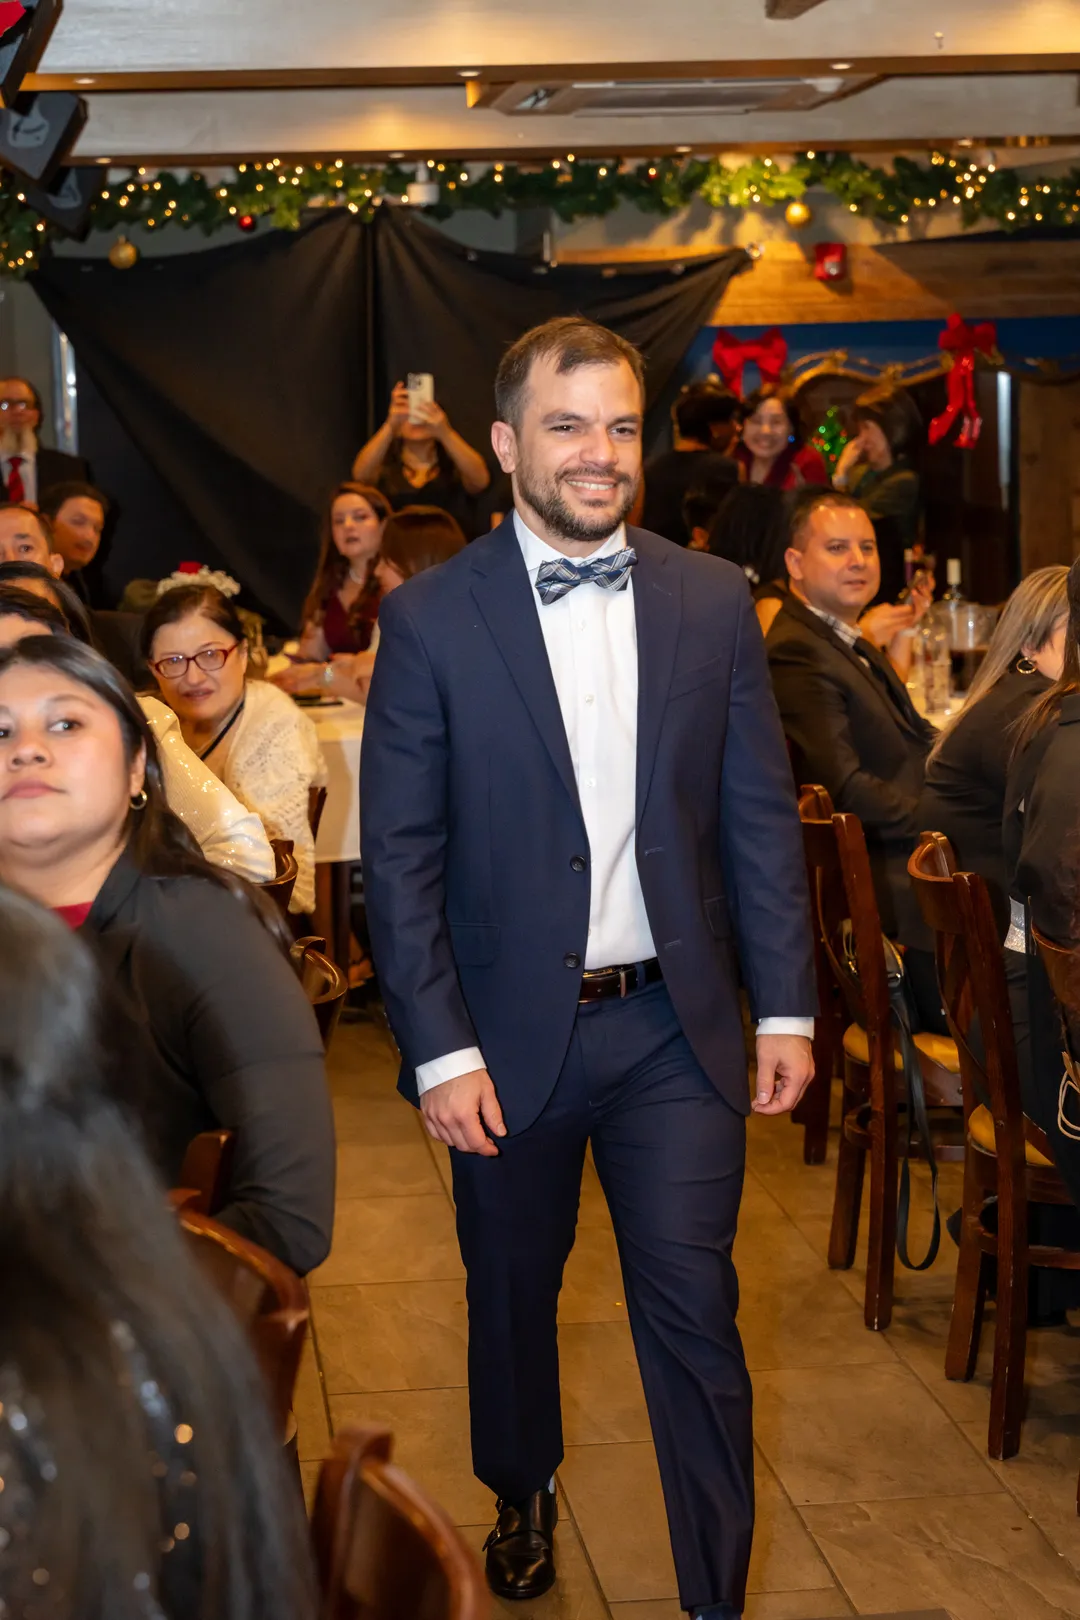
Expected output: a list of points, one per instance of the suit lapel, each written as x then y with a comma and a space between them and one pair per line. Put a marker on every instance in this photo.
502, 592
901, 707
658, 615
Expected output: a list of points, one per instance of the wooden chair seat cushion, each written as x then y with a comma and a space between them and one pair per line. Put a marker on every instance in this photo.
981, 1132
940, 1049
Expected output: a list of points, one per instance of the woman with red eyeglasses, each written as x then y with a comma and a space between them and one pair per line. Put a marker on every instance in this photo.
252, 736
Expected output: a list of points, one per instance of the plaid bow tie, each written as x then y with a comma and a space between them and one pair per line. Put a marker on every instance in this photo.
555, 579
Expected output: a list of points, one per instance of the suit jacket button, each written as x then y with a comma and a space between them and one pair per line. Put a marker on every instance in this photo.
572, 960
578, 863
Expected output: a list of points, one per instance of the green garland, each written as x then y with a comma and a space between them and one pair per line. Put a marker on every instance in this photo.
573, 189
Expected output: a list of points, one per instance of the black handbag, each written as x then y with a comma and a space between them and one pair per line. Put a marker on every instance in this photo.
915, 1111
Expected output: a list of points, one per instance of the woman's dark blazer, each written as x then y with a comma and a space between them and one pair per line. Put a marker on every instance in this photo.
206, 1025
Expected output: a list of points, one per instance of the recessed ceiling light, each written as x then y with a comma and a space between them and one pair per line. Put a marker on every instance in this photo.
84, 80
103, 160
840, 67
682, 149
393, 156
468, 73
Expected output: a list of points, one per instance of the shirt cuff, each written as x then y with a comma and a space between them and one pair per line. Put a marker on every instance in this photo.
786, 1026
451, 1067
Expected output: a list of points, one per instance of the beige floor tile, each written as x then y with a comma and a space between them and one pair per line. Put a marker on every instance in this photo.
602, 1398
362, 1062
794, 1312
592, 1288
575, 1595
431, 1443
826, 1604
918, 1334
784, 1557
309, 1478
614, 1494
592, 1210
979, 1558
392, 1240
650, 1609
1042, 1476
309, 1409
386, 1169
440, 1157
391, 1336
850, 1434
375, 1121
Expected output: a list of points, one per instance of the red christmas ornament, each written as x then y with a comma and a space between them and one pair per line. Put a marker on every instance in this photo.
830, 261
246, 222
960, 343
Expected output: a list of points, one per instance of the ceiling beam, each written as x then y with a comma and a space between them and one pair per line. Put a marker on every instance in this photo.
785, 10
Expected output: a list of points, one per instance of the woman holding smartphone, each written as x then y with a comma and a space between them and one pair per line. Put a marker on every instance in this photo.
416, 456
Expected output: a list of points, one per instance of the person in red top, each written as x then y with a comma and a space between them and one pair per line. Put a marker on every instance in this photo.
771, 450
343, 602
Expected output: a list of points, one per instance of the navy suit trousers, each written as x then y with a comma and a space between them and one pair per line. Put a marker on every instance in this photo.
670, 1154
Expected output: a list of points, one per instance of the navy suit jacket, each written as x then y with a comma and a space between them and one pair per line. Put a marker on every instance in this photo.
471, 824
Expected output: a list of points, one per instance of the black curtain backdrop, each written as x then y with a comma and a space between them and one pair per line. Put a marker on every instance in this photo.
451, 310
229, 389
238, 375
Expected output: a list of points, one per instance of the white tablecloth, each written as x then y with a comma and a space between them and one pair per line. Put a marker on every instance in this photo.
340, 730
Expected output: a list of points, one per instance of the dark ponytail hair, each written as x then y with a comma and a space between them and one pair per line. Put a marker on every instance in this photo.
62, 595
110, 1339
1047, 708
180, 603
155, 839
16, 604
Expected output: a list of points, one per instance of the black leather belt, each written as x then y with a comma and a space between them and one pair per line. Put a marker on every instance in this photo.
600, 983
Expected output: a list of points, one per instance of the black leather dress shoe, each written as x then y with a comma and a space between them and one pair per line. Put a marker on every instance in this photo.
520, 1560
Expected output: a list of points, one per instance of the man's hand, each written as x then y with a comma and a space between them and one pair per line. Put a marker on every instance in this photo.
457, 1111
880, 625
785, 1067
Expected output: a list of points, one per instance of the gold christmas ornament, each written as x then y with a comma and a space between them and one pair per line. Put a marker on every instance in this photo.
798, 214
123, 254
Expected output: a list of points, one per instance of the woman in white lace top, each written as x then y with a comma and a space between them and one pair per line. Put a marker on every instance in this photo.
249, 734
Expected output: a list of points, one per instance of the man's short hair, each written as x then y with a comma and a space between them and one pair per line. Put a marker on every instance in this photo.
805, 502
39, 518
571, 341
702, 406
54, 497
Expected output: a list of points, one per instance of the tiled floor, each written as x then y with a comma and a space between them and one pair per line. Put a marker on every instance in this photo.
875, 1494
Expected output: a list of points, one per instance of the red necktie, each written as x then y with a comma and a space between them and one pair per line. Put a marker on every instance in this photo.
16, 489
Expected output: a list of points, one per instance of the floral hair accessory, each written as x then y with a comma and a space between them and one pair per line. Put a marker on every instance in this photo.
189, 573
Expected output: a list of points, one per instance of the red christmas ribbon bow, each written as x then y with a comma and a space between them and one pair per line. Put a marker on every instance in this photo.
962, 342
11, 12
730, 355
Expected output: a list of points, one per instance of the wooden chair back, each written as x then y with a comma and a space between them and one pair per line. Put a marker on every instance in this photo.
325, 985
842, 893
383, 1550
207, 1170
280, 886
971, 977
270, 1301
1062, 964
316, 805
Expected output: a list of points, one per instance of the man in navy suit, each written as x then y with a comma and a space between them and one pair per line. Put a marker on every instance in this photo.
576, 809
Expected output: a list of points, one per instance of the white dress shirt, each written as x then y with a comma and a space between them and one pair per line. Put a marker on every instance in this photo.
590, 635
28, 469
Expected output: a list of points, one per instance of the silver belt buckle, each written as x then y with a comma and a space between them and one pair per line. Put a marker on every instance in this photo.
622, 982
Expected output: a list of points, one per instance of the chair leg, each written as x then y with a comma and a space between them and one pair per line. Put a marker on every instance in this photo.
881, 1248
969, 1294
847, 1199
815, 1117
1010, 1333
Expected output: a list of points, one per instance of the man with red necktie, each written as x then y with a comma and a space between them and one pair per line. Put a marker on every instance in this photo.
28, 469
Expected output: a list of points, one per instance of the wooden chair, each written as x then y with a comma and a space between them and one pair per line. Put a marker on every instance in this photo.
812, 1110
842, 891
270, 1301
281, 885
315, 807
383, 1550
207, 1170
325, 984
1007, 1156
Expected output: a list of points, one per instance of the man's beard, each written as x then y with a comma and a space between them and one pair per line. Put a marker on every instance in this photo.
559, 518
18, 441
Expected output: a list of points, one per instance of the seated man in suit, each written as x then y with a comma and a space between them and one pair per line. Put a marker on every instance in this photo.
28, 469
76, 513
843, 707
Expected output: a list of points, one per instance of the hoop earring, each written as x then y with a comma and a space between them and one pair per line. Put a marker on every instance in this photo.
1025, 666
139, 800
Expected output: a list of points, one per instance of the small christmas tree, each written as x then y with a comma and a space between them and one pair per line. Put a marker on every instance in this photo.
829, 437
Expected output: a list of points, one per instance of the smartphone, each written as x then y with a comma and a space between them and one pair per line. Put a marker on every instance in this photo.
421, 386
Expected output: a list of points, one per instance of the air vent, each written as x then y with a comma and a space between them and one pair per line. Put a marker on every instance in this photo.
643, 98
